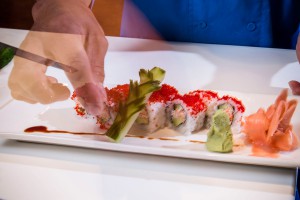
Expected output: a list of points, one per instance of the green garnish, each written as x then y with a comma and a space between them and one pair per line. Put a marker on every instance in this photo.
219, 137
139, 94
6, 55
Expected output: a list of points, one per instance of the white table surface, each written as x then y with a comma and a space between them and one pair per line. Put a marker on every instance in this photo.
40, 171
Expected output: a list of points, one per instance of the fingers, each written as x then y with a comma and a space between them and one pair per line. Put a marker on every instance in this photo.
29, 83
67, 49
76, 40
90, 65
96, 46
58, 91
92, 97
295, 86
89, 89
40, 94
44, 95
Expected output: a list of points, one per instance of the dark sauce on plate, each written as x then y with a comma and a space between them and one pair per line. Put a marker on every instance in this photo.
44, 129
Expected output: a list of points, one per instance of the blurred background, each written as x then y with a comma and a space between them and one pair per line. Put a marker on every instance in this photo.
17, 14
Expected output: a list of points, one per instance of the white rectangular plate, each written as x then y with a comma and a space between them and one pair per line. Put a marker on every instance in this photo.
17, 116
195, 71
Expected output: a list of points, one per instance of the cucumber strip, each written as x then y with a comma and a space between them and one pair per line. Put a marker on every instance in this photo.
139, 94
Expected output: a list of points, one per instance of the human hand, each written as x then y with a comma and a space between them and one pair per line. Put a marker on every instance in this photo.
295, 85
66, 32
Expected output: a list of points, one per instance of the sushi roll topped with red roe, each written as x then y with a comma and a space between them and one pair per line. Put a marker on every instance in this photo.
186, 113
234, 108
164, 94
194, 102
166, 107
116, 95
153, 116
205, 95
239, 106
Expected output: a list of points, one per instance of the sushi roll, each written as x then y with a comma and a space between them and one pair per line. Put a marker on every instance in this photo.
115, 96
234, 108
210, 99
186, 113
153, 116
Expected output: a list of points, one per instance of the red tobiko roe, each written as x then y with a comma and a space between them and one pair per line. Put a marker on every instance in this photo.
114, 95
239, 104
194, 102
208, 94
164, 94
118, 93
79, 110
73, 96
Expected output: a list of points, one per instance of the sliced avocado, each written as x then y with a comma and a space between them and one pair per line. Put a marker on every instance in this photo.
226, 106
178, 115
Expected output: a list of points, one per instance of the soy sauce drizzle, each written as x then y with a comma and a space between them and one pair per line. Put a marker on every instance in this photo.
44, 129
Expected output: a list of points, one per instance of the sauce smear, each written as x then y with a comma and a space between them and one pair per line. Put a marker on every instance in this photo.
44, 129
